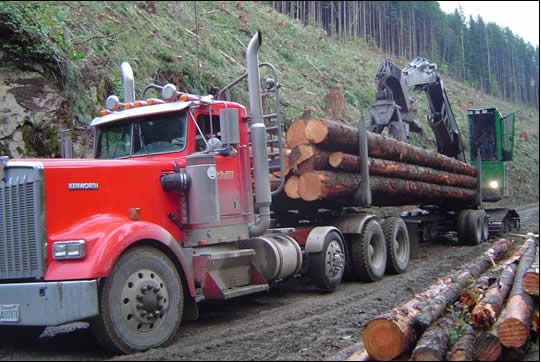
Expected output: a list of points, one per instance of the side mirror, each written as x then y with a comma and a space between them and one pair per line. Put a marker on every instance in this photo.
229, 126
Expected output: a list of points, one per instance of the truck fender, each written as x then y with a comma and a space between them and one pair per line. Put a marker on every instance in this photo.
316, 237
353, 224
107, 237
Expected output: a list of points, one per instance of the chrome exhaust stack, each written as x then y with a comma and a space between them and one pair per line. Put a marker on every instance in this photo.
127, 82
258, 136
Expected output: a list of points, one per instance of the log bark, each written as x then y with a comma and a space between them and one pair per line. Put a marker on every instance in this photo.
296, 134
486, 311
393, 333
472, 295
469, 272
534, 326
484, 314
463, 349
530, 281
351, 163
488, 346
513, 326
320, 185
432, 346
336, 136
291, 187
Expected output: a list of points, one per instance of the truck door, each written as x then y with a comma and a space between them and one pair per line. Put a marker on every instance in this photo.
227, 169
508, 136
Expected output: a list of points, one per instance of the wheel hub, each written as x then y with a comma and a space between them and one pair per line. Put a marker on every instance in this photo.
334, 259
144, 301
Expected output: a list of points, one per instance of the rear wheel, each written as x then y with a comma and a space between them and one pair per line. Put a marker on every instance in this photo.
484, 220
141, 302
474, 227
398, 245
369, 253
327, 266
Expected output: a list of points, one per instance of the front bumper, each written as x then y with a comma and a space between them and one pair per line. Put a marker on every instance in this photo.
48, 303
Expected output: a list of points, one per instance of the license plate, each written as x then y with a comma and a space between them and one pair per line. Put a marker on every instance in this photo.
9, 312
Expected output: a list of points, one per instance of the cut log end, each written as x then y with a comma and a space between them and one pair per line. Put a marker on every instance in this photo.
383, 339
316, 131
335, 159
309, 186
296, 134
513, 332
292, 187
530, 283
458, 356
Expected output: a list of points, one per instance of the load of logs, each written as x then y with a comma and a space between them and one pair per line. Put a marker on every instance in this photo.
324, 164
498, 302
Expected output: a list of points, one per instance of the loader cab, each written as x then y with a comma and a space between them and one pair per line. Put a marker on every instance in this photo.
492, 137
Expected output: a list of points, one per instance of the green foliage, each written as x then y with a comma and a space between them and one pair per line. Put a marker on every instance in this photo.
462, 322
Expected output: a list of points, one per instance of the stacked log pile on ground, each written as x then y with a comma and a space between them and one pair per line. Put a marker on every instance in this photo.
513, 326
395, 332
325, 159
423, 325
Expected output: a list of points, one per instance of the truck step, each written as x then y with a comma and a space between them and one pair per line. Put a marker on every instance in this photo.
247, 289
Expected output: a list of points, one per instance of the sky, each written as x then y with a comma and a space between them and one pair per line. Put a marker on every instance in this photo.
522, 17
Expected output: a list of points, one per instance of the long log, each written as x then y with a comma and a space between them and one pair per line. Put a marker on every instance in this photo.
471, 297
336, 136
393, 333
296, 134
432, 346
464, 348
486, 311
530, 281
513, 326
488, 346
351, 163
320, 185
469, 272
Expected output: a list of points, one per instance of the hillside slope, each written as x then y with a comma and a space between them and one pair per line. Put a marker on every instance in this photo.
82, 44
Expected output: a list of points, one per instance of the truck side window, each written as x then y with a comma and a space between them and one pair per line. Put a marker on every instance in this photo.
203, 121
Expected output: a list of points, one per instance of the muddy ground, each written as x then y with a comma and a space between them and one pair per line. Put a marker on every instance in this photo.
292, 322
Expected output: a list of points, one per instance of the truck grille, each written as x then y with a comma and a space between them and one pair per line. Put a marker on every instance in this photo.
22, 221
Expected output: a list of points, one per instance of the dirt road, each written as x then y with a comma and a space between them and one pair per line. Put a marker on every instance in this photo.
292, 322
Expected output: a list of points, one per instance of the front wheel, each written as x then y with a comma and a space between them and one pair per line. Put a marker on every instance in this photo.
141, 302
327, 266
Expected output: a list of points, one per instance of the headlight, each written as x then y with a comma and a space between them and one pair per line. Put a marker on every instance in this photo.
494, 184
73, 249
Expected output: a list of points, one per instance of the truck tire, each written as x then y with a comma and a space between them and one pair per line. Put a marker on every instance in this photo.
327, 266
398, 245
484, 220
369, 253
461, 225
141, 302
474, 227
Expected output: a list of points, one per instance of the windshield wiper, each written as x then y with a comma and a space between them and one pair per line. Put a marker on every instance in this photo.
142, 140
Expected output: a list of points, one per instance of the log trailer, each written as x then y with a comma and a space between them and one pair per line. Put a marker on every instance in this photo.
177, 208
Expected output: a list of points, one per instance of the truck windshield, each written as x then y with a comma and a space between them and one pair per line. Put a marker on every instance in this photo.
146, 135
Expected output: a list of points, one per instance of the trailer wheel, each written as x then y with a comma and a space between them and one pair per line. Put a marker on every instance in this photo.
484, 220
140, 302
327, 266
398, 245
474, 227
461, 225
369, 253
